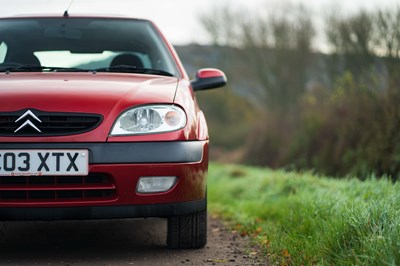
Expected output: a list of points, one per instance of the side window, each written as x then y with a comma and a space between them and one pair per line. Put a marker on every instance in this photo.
3, 52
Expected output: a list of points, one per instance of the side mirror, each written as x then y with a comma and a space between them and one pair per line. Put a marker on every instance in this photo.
208, 78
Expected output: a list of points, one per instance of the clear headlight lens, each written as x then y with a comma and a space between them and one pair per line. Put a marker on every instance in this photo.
149, 119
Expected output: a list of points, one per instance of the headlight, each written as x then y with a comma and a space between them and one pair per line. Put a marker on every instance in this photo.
149, 119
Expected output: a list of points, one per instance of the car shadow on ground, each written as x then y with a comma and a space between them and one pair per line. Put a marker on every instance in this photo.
74, 242
116, 242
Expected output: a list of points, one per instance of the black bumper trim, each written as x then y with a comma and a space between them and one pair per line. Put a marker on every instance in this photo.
103, 212
125, 153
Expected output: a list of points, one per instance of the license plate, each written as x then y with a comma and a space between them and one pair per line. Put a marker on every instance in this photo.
44, 162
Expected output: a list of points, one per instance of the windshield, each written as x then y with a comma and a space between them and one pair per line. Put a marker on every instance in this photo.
83, 44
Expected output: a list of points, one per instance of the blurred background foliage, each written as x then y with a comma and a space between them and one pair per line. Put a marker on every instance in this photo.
289, 105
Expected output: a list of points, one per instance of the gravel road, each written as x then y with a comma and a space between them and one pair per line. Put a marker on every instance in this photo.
115, 242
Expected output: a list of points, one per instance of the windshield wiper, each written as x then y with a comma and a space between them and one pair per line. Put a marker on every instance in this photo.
15, 67
35, 68
132, 69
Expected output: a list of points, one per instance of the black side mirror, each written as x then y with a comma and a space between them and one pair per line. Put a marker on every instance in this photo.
208, 78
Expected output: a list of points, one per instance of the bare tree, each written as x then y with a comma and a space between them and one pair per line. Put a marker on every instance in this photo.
214, 27
387, 32
276, 46
352, 35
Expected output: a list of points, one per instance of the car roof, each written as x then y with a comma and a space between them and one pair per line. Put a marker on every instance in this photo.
71, 15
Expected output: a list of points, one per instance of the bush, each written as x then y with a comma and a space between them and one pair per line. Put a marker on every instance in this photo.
352, 130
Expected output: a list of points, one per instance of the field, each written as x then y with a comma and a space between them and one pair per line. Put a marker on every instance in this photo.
303, 219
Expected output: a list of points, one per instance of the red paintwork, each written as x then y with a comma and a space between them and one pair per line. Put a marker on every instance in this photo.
210, 73
110, 94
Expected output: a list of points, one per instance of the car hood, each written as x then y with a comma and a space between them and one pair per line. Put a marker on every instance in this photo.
107, 94
83, 92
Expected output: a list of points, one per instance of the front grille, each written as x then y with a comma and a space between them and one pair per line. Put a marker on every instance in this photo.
93, 187
46, 123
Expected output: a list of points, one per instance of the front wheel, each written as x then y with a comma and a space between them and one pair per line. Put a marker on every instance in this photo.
187, 231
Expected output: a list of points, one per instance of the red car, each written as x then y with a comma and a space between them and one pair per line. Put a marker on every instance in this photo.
98, 119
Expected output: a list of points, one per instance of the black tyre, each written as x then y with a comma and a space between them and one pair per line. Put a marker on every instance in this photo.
187, 231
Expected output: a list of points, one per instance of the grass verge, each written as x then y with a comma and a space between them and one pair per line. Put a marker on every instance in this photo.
302, 219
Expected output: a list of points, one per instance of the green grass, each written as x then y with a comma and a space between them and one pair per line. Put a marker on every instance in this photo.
302, 219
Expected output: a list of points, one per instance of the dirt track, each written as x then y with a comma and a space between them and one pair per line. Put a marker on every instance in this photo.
114, 242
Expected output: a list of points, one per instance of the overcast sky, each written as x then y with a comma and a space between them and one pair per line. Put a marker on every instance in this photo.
178, 19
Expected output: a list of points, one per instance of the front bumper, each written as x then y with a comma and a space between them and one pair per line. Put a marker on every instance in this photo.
127, 153
124, 163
